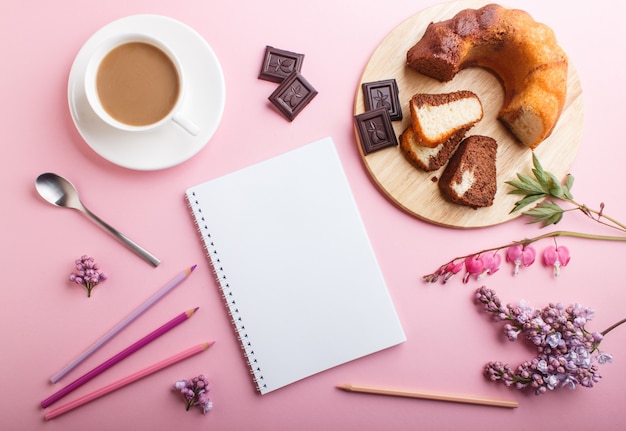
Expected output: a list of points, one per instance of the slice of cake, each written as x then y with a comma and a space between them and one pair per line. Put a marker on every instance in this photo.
427, 158
436, 117
470, 177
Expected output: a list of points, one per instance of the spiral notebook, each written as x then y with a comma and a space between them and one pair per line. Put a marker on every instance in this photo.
295, 266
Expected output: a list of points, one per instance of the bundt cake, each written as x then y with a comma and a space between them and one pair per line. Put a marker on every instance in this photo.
521, 52
436, 117
470, 176
426, 158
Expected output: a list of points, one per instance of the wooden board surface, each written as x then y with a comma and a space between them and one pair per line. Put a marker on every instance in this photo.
414, 190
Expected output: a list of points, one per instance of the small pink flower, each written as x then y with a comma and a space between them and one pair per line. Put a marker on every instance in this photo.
474, 266
520, 255
451, 269
481, 266
491, 262
87, 273
556, 257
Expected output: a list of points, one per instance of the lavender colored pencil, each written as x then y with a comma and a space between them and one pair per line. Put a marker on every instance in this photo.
124, 323
117, 358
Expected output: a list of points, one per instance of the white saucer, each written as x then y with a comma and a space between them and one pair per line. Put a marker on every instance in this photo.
168, 145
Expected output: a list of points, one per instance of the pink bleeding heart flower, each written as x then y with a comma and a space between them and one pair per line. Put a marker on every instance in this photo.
556, 257
474, 265
520, 256
451, 269
481, 266
491, 263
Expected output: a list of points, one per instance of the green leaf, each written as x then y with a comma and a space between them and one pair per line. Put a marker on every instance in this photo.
569, 182
537, 165
539, 173
548, 220
546, 212
542, 178
529, 199
556, 189
519, 192
554, 219
550, 206
526, 185
542, 185
536, 162
537, 215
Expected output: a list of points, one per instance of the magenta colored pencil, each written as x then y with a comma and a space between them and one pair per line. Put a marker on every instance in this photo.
117, 358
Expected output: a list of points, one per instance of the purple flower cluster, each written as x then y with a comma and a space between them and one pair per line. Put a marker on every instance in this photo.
568, 354
195, 392
87, 273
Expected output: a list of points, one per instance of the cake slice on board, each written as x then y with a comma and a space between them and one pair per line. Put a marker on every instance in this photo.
438, 123
426, 158
470, 176
436, 117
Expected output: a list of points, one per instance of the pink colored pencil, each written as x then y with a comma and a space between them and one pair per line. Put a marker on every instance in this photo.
124, 323
127, 380
117, 358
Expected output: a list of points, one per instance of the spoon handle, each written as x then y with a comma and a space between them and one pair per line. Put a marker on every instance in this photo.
142, 252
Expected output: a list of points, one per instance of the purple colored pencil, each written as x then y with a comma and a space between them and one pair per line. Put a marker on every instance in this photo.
117, 358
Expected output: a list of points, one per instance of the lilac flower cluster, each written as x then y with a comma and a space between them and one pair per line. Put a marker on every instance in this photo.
568, 354
195, 392
87, 273
488, 262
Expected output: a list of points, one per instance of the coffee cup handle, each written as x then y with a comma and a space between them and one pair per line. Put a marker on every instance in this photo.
186, 124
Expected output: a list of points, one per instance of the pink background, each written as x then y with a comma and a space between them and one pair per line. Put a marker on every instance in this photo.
46, 321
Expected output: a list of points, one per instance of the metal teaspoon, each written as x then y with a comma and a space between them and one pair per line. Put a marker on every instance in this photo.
62, 193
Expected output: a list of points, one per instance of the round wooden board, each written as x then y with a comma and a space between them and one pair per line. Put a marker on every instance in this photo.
414, 190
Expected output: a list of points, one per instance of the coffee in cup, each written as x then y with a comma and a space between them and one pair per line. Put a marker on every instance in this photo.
135, 83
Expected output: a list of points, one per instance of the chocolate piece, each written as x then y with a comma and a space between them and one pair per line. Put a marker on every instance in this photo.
292, 95
375, 130
279, 64
382, 94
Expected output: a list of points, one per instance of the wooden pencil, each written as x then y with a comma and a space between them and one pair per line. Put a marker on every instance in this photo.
467, 399
127, 380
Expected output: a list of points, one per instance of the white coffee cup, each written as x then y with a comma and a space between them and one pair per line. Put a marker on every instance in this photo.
121, 86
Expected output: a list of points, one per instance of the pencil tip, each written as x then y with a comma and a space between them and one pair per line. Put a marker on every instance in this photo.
192, 311
344, 387
189, 270
208, 344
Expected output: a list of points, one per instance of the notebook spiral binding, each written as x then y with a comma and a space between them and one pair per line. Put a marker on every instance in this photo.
226, 291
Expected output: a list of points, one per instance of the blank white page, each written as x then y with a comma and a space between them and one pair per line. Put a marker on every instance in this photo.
295, 265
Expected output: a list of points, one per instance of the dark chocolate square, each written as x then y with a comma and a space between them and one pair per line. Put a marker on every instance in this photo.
292, 95
383, 94
375, 130
279, 64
